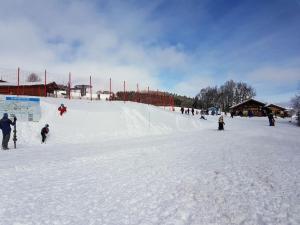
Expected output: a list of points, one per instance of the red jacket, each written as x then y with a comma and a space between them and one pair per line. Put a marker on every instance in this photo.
62, 109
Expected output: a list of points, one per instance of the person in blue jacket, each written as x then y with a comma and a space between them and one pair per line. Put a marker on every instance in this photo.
5, 124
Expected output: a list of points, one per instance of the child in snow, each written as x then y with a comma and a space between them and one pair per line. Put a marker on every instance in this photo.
62, 109
221, 123
44, 132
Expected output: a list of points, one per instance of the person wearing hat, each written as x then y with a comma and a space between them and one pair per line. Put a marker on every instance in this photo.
5, 124
62, 109
44, 132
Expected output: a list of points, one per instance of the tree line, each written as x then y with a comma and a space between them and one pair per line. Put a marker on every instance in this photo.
223, 97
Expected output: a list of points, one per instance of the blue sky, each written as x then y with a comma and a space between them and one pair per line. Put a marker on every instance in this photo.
178, 46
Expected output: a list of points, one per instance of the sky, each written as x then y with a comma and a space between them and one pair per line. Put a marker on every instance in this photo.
179, 46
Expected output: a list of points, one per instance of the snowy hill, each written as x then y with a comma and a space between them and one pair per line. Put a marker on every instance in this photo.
87, 122
114, 163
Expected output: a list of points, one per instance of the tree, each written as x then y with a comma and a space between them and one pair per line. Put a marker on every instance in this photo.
33, 77
227, 95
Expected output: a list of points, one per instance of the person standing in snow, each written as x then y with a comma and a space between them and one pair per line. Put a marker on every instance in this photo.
221, 123
44, 132
62, 109
182, 110
5, 124
271, 119
193, 111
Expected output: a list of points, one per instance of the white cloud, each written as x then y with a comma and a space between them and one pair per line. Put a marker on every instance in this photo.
76, 36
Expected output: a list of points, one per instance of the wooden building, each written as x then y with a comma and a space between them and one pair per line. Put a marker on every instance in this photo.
277, 110
249, 107
34, 89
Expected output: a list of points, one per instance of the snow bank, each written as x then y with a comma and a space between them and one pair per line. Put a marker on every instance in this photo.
89, 121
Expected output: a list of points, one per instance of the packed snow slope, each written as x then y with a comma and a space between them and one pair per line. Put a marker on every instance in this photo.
89, 122
108, 163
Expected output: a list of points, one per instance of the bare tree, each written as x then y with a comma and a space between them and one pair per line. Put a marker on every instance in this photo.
33, 77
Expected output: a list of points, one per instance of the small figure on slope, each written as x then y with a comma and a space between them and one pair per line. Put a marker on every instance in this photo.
44, 132
5, 123
193, 111
221, 123
62, 109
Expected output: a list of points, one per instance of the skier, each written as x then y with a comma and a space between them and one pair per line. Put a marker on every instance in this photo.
182, 110
221, 123
62, 109
188, 111
271, 119
193, 111
5, 123
232, 114
44, 132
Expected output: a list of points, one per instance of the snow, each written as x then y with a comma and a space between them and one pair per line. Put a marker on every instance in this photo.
115, 163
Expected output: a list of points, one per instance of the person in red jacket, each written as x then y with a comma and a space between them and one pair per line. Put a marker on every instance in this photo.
62, 109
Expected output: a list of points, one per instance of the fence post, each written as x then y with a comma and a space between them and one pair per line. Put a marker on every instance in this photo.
69, 85
137, 92
45, 87
110, 89
124, 92
91, 88
149, 98
18, 80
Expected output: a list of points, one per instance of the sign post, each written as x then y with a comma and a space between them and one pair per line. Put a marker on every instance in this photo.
15, 135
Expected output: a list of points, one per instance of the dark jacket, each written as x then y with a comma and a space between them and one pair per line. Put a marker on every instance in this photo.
5, 125
45, 130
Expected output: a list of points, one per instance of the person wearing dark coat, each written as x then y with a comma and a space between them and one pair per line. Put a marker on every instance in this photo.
44, 132
5, 124
271, 119
193, 111
182, 110
221, 123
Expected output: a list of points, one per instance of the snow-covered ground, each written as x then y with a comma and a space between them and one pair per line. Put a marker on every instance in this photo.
115, 163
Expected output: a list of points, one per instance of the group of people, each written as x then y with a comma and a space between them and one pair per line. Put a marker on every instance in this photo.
187, 111
6, 123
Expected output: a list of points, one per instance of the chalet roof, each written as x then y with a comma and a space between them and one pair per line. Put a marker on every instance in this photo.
276, 106
249, 100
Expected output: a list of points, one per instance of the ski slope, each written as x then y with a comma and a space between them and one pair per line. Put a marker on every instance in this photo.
114, 163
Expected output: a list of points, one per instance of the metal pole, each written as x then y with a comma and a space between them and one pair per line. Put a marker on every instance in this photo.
109, 88
124, 92
15, 135
69, 86
91, 88
18, 80
137, 92
45, 84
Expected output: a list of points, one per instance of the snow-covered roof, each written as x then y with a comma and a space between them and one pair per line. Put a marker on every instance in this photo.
274, 105
251, 99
